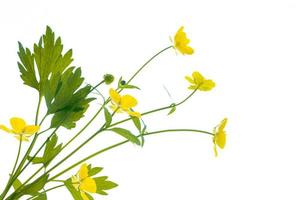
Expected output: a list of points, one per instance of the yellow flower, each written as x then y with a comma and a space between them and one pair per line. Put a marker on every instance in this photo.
83, 183
219, 138
199, 82
123, 103
20, 130
181, 42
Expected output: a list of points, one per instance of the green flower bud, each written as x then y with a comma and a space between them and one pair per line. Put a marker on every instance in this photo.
108, 78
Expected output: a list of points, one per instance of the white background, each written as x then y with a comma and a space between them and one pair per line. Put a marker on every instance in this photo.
250, 48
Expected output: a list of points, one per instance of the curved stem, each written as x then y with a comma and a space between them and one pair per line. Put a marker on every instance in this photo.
146, 63
45, 191
124, 142
158, 109
18, 155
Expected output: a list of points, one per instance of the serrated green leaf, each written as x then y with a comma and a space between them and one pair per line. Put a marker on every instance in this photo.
75, 193
26, 67
173, 109
55, 80
104, 184
30, 189
51, 150
108, 117
126, 134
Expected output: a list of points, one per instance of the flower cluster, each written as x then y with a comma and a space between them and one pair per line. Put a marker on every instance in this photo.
60, 86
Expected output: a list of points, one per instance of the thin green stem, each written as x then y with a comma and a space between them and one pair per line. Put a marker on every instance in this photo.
146, 63
13, 178
102, 128
38, 109
124, 142
45, 191
156, 110
18, 155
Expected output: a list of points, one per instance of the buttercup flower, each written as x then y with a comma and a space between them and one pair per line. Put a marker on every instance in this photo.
83, 183
199, 82
181, 42
20, 130
219, 138
123, 103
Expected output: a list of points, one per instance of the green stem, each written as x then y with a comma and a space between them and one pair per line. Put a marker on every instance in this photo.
17, 158
13, 178
146, 63
124, 142
45, 191
38, 110
102, 128
156, 110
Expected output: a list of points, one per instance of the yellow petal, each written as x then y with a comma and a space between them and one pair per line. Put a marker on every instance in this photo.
198, 78
127, 102
17, 124
134, 114
4, 128
223, 124
215, 150
189, 79
221, 139
88, 185
207, 85
115, 96
83, 172
31, 129
84, 196
181, 42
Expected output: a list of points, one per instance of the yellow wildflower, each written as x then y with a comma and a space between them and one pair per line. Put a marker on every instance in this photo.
123, 103
199, 82
83, 183
219, 138
20, 130
181, 42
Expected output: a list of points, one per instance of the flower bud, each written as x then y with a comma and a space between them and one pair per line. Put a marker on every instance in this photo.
108, 78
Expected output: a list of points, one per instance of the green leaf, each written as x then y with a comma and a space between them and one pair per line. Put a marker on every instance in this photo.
122, 84
65, 99
30, 189
173, 108
126, 134
51, 150
108, 117
55, 79
75, 193
94, 171
137, 123
26, 67
36, 160
16, 184
42, 196
104, 184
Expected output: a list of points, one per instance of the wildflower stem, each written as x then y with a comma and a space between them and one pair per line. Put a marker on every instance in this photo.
124, 142
18, 155
146, 63
156, 110
103, 129
45, 191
